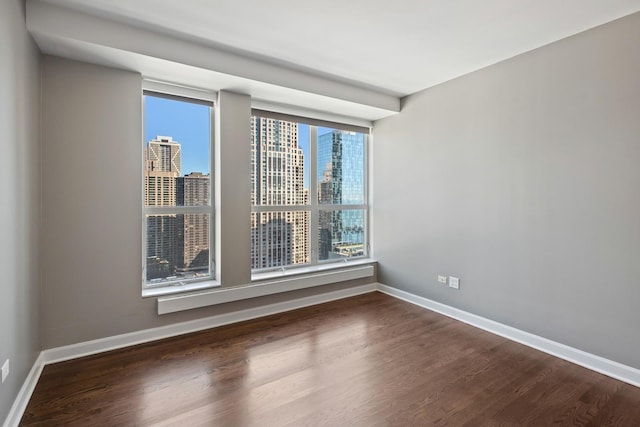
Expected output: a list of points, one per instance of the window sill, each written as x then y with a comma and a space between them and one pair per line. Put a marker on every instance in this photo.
179, 289
275, 274
269, 284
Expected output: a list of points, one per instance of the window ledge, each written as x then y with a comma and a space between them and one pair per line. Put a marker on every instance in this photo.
311, 277
178, 288
287, 272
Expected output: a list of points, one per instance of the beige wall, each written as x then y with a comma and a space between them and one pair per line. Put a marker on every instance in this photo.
522, 179
92, 197
19, 206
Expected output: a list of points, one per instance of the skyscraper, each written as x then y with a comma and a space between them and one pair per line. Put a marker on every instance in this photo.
277, 179
162, 167
193, 251
340, 182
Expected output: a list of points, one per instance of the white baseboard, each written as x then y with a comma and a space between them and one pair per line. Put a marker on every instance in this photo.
87, 348
21, 401
599, 364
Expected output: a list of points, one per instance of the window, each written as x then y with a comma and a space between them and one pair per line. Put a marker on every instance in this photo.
178, 214
308, 195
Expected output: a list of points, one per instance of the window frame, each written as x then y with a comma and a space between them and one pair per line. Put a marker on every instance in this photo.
314, 207
194, 96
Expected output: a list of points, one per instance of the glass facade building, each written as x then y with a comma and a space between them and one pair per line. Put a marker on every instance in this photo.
341, 175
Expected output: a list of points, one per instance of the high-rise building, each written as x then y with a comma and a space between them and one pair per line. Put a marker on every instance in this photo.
162, 167
277, 178
340, 182
193, 251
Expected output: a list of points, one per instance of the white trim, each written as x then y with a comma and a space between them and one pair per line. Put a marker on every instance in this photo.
328, 265
293, 110
307, 112
22, 399
314, 217
178, 89
178, 287
590, 361
311, 118
60, 354
173, 303
178, 210
280, 208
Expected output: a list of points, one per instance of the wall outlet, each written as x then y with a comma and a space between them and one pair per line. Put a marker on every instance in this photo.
442, 279
5, 370
454, 282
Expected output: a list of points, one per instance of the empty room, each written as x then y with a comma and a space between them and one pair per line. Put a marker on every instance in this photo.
340, 213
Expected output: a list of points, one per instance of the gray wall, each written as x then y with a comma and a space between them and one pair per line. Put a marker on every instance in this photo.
92, 198
233, 189
523, 179
19, 208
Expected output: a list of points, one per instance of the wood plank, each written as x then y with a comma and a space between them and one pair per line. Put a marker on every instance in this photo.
368, 360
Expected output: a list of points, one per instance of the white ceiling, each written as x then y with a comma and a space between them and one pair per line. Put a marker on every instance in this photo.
381, 47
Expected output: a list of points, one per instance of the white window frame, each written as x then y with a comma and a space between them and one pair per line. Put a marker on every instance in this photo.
198, 96
314, 208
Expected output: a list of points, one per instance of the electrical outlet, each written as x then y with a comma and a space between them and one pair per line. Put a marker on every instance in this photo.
454, 282
442, 279
5, 370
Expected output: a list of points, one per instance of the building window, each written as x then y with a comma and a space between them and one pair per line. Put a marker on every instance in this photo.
178, 214
308, 195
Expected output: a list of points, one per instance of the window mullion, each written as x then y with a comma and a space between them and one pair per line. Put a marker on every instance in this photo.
313, 194
279, 208
170, 210
212, 195
365, 165
331, 207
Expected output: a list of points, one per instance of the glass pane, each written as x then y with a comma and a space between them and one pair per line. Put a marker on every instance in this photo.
177, 152
341, 234
177, 247
279, 239
340, 167
279, 172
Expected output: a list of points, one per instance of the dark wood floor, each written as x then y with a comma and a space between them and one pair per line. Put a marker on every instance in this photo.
364, 361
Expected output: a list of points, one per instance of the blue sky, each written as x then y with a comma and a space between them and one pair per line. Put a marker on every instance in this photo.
185, 122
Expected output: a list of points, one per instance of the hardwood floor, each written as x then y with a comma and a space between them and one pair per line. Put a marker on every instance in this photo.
370, 360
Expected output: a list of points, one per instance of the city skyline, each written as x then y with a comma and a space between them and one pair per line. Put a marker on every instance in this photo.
183, 120
177, 245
